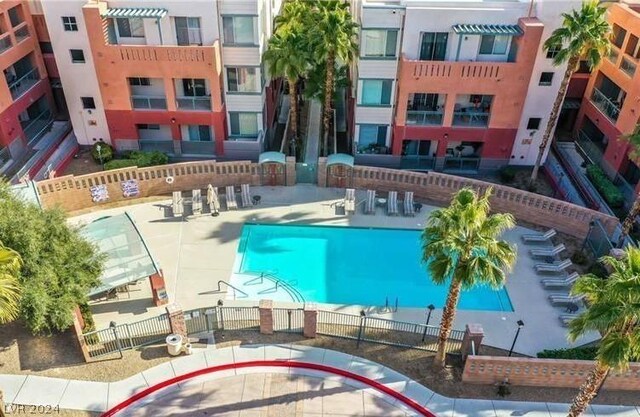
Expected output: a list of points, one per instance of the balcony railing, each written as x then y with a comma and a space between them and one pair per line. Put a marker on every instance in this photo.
165, 146
5, 43
194, 103
417, 162
605, 104
21, 85
471, 118
198, 148
461, 163
22, 33
149, 102
424, 117
34, 128
589, 148
628, 65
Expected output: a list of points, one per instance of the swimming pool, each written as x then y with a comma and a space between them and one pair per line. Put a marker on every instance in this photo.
349, 265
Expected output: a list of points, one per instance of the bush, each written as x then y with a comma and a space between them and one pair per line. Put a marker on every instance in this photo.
140, 159
507, 174
579, 258
598, 270
87, 317
582, 353
106, 152
605, 187
120, 163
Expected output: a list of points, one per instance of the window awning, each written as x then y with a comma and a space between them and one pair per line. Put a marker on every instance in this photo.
509, 30
150, 13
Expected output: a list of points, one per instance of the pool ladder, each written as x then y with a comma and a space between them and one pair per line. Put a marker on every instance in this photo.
388, 309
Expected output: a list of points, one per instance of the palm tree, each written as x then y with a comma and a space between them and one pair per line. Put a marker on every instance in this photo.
613, 306
584, 34
634, 139
461, 245
10, 264
334, 34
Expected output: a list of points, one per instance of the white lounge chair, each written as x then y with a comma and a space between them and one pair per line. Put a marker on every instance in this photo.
350, 201
177, 205
370, 202
553, 267
196, 202
565, 319
392, 203
231, 198
560, 282
409, 208
564, 299
539, 237
245, 194
547, 252
213, 200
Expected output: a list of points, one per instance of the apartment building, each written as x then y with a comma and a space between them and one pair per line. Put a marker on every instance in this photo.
451, 85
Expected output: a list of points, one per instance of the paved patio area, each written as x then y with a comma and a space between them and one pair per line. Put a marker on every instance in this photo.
198, 251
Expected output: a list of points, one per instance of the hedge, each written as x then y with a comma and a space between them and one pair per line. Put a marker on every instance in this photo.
605, 187
582, 353
140, 159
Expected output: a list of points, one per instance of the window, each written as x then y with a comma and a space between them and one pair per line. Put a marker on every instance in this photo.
379, 43
77, 55
553, 51
148, 127
242, 80
199, 133
88, 103
633, 48
376, 92
546, 78
46, 47
130, 28
372, 136
494, 45
194, 87
15, 16
533, 123
188, 31
433, 46
139, 81
238, 30
69, 23
243, 124
617, 35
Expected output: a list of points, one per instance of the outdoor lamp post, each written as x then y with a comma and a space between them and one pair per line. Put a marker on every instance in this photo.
430, 307
99, 149
520, 324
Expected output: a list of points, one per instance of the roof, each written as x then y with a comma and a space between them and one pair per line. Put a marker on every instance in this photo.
340, 158
128, 258
513, 30
136, 12
278, 157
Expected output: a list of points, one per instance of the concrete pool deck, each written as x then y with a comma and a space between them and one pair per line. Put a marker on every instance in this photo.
198, 251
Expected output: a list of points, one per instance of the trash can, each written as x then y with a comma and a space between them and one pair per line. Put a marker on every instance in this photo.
174, 344
188, 349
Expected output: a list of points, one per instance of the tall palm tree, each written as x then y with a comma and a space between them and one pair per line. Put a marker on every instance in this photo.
584, 34
10, 264
634, 139
462, 246
335, 39
613, 306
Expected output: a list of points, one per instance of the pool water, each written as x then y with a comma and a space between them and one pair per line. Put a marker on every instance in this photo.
349, 265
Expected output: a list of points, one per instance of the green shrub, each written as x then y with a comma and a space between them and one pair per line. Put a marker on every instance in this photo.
120, 163
87, 317
140, 159
507, 174
106, 152
583, 353
605, 187
598, 270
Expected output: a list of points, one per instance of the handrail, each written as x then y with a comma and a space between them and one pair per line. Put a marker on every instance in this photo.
231, 286
591, 203
290, 289
605, 104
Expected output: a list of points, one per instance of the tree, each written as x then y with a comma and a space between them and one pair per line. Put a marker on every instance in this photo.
59, 265
584, 34
334, 36
462, 246
10, 264
634, 140
612, 310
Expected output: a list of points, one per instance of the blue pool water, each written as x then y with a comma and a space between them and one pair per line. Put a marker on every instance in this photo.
347, 265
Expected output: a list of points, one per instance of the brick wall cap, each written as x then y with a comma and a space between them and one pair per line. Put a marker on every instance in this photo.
265, 304
173, 308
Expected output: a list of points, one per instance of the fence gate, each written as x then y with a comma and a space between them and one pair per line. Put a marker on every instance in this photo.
306, 173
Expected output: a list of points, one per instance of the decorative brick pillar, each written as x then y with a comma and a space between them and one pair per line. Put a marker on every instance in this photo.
266, 316
78, 325
290, 171
310, 320
176, 320
472, 333
322, 172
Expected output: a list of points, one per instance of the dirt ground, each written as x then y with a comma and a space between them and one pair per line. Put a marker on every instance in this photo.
82, 164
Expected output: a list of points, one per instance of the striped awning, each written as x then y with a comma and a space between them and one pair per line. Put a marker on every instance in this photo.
136, 12
509, 30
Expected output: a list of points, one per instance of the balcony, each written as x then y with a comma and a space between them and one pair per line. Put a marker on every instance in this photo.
36, 127
471, 118
164, 146
628, 66
198, 148
605, 104
148, 102
417, 163
19, 86
195, 103
461, 163
424, 117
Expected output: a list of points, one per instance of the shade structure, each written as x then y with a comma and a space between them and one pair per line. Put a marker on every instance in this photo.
277, 157
340, 158
140, 12
480, 29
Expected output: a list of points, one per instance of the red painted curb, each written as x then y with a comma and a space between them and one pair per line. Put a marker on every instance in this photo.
275, 363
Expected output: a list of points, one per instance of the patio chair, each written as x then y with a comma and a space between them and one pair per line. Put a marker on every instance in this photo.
392, 203
245, 195
565, 319
370, 202
553, 267
564, 299
409, 208
547, 252
213, 199
196, 202
539, 237
177, 205
350, 201
560, 282
231, 198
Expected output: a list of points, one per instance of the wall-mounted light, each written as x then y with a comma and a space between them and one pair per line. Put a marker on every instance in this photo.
446, 136
173, 120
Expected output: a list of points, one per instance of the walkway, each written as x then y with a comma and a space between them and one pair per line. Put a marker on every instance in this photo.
334, 396
313, 132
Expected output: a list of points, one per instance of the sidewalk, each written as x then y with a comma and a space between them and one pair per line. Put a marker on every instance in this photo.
100, 396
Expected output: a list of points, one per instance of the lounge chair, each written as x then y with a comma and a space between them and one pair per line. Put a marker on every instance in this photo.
350, 201
539, 237
370, 202
245, 194
392, 203
560, 282
212, 199
177, 204
547, 252
553, 267
564, 299
409, 208
231, 198
196, 202
565, 319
